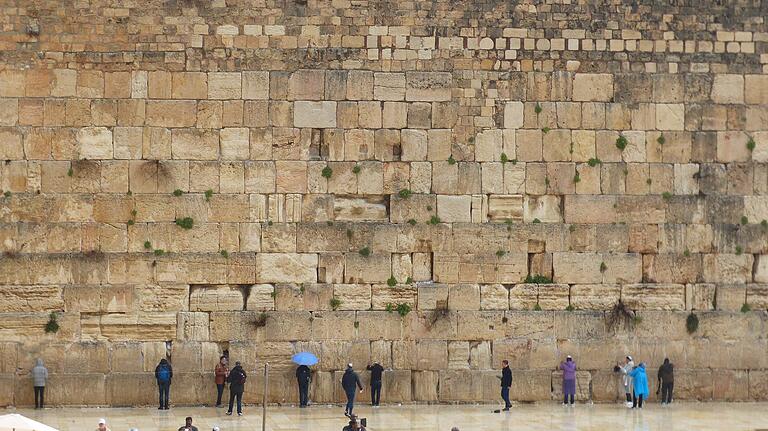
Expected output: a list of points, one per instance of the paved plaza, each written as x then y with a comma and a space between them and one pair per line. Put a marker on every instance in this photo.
683, 416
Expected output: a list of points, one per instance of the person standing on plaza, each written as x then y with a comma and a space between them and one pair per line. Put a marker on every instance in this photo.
667, 381
569, 380
349, 382
164, 375
506, 382
39, 377
102, 425
376, 371
626, 379
303, 378
236, 379
639, 386
221, 372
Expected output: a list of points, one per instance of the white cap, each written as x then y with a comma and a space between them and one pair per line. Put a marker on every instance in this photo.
216, 429
102, 421
569, 357
349, 365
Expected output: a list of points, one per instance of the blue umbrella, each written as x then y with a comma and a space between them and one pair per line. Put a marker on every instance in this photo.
305, 358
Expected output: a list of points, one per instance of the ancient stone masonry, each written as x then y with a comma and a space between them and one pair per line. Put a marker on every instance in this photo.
437, 185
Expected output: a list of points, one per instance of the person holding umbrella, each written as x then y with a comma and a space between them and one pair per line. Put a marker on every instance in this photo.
304, 375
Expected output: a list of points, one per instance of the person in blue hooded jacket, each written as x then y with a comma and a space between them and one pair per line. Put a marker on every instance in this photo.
640, 380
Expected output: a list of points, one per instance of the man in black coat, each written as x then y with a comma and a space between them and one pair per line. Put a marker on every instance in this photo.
236, 380
376, 371
349, 381
506, 382
304, 377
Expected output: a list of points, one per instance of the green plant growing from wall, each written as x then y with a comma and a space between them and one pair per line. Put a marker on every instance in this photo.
178, 192
576, 178
224, 254
545, 130
412, 222
147, 245
621, 142
504, 159
764, 224
603, 267
692, 323
746, 308
7, 194
500, 253
159, 252
537, 307
208, 195
356, 169
185, 223
70, 172
536, 220
392, 281
434, 220
537, 279
365, 252
409, 280
744, 220
52, 326
666, 196
738, 250
751, 144
537, 109
327, 172
661, 139
569, 308
405, 193
389, 307
403, 309
451, 160
594, 162
335, 303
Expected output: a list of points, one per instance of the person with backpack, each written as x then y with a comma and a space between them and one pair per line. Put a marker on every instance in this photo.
164, 375
303, 377
349, 381
376, 371
236, 380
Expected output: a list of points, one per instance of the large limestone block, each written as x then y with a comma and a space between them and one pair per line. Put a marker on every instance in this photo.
31, 299
492, 268
530, 385
353, 296
523, 297
375, 268
243, 325
505, 207
224, 85
728, 268
653, 296
464, 297
372, 208
454, 208
621, 268
428, 86
379, 325
437, 324
700, 296
129, 389
513, 115
192, 326
286, 268
553, 296
384, 295
728, 89
192, 144
216, 298
590, 209
147, 326
8, 382
288, 326
426, 383
579, 268
314, 114
255, 85
732, 146
333, 325
546, 208
397, 386
94, 143
694, 385
730, 297
595, 296
672, 268
73, 389
492, 297
461, 385
480, 325
432, 296
592, 87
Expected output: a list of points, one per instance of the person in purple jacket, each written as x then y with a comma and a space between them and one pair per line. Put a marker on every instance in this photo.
569, 380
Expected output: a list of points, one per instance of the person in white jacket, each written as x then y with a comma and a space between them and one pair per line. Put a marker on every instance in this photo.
626, 379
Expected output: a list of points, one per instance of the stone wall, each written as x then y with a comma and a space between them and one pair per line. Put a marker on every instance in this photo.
371, 179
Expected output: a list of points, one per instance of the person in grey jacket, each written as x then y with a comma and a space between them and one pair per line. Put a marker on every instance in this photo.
39, 376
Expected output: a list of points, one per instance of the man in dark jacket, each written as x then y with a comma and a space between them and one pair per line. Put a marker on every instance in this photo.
667, 381
236, 380
349, 381
163, 375
376, 371
506, 382
304, 377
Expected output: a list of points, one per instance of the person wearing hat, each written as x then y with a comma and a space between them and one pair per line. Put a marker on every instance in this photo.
236, 379
626, 379
569, 380
102, 426
376, 371
349, 381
